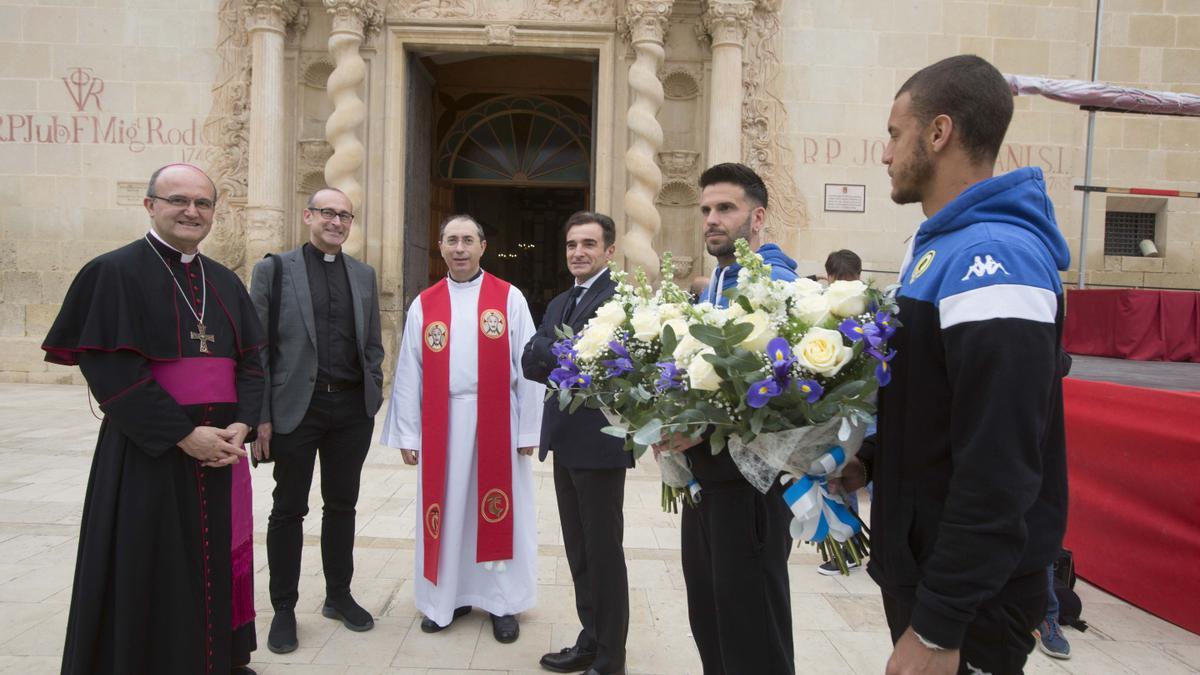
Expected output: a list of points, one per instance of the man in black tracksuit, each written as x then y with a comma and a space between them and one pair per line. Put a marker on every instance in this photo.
735, 540
970, 467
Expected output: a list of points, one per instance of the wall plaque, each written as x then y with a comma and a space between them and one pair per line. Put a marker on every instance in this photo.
846, 198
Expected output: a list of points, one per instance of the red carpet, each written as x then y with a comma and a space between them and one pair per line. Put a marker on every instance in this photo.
1127, 323
1133, 457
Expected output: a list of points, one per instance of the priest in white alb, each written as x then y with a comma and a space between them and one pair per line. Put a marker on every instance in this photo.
463, 411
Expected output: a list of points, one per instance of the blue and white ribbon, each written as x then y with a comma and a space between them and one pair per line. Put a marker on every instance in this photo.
818, 514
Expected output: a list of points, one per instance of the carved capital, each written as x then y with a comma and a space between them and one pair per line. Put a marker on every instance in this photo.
362, 17
646, 20
271, 15
500, 34
728, 21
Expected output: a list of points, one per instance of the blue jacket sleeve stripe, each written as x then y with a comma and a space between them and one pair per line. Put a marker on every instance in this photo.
999, 301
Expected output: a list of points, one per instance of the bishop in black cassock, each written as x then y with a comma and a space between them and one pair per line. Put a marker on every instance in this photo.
168, 342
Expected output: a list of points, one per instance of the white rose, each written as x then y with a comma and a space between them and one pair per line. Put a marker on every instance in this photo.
611, 313
762, 333
811, 309
594, 340
847, 298
821, 351
687, 348
734, 311
805, 286
679, 325
670, 311
645, 323
701, 374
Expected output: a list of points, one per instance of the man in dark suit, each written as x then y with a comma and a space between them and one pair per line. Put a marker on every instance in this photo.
323, 390
589, 466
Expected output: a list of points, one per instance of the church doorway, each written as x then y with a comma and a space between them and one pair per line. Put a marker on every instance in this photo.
509, 140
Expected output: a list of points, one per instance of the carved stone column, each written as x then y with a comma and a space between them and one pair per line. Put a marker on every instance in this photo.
266, 23
647, 26
351, 20
727, 22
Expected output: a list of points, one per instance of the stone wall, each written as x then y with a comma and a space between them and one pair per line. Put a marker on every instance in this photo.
92, 100
843, 61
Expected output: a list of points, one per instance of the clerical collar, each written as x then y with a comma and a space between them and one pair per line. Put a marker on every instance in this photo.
325, 257
478, 273
591, 280
184, 258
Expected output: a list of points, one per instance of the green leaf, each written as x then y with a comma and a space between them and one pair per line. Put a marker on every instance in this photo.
713, 337
614, 430
669, 340
575, 406
649, 434
717, 440
738, 332
756, 421
744, 302
847, 389
564, 398
744, 361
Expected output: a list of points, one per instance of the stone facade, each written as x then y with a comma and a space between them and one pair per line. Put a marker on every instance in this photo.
93, 98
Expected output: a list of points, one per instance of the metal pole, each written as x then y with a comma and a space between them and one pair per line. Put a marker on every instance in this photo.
1091, 135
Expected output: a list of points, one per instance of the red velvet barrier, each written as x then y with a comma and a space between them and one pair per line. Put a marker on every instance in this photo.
1133, 324
1133, 459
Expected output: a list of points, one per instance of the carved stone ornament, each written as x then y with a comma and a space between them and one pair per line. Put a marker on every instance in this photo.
312, 154
315, 68
680, 84
270, 14
764, 128
682, 267
677, 192
500, 34
570, 10
228, 130
678, 164
355, 16
431, 9
645, 20
728, 21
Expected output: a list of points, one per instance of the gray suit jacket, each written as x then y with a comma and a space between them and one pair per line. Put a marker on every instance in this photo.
289, 389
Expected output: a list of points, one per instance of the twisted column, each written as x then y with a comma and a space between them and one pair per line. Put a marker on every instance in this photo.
647, 22
350, 20
266, 23
727, 22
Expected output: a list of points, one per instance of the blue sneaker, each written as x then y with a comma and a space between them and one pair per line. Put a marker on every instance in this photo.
1052, 641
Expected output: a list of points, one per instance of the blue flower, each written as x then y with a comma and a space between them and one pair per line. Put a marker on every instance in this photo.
852, 329
564, 351
883, 371
669, 376
780, 353
762, 391
811, 389
620, 365
884, 321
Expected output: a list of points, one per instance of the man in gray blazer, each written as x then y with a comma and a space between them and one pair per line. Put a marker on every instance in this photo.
324, 377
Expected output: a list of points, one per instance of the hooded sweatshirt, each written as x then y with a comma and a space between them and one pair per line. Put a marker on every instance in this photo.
970, 468
783, 268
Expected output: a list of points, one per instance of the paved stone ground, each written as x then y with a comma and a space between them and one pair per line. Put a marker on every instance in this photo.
1152, 374
46, 439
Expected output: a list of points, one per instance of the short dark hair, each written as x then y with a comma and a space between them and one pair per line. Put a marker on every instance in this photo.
973, 93
842, 264
738, 174
154, 178
459, 216
588, 217
313, 196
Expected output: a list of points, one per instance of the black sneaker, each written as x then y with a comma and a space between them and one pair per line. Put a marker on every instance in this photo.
830, 567
349, 612
428, 625
282, 638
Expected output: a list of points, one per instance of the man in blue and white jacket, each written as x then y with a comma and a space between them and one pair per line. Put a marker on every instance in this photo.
970, 468
735, 541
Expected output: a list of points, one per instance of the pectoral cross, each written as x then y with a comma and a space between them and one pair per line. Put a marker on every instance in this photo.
202, 337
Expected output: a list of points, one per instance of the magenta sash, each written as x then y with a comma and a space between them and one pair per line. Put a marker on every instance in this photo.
199, 380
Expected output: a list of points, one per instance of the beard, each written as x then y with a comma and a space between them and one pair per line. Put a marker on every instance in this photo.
728, 249
909, 182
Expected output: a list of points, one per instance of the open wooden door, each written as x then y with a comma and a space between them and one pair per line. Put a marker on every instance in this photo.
417, 175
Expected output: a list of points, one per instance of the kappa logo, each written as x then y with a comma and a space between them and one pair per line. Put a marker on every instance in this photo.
986, 266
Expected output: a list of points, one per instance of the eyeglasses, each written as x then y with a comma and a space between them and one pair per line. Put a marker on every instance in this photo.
329, 214
178, 202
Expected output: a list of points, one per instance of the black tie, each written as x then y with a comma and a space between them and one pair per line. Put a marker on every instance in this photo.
572, 300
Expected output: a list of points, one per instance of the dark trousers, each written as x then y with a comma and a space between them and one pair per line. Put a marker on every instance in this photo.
735, 552
337, 426
999, 639
590, 508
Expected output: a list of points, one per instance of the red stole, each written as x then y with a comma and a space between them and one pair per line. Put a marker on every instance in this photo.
492, 429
